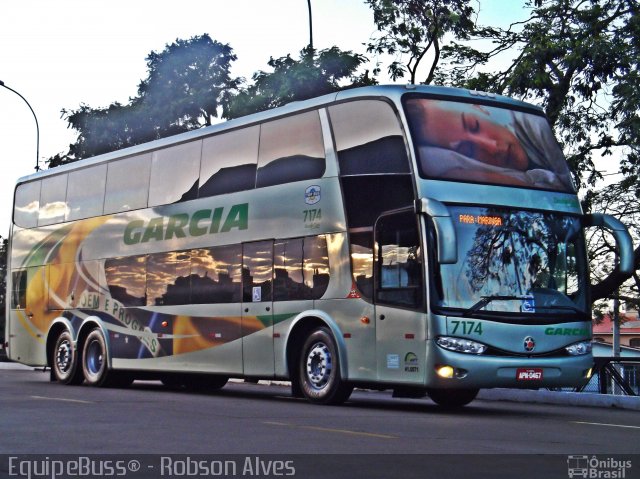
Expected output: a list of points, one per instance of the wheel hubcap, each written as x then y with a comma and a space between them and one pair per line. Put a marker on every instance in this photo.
319, 365
63, 356
94, 357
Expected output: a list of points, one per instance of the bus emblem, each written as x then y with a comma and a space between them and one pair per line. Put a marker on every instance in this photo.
529, 344
312, 195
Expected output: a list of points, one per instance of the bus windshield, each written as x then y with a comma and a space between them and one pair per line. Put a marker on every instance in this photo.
484, 144
511, 261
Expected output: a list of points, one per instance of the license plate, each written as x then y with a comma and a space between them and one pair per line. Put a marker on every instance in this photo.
529, 374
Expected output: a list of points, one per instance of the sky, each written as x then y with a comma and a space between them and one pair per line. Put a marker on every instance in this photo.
64, 53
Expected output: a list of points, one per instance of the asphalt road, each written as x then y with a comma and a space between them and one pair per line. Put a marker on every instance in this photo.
39, 417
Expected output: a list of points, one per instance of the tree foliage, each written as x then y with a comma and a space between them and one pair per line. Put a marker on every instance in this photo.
412, 30
579, 60
313, 74
188, 83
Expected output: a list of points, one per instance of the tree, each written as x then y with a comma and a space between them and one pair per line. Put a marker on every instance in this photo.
579, 60
314, 74
412, 30
188, 84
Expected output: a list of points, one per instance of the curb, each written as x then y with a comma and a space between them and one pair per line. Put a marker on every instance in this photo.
562, 398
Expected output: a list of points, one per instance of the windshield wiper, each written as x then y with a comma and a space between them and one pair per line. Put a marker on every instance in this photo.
487, 299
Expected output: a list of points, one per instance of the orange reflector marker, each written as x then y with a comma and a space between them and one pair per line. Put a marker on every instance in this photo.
365, 320
165, 324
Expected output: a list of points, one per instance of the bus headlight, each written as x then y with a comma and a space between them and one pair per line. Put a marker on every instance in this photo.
579, 349
461, 345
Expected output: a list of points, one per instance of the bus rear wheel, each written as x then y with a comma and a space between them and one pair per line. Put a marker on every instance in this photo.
452, 398
94, 363
64, 360
319, 370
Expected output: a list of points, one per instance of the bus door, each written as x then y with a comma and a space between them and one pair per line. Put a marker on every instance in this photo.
399, 299
257, 308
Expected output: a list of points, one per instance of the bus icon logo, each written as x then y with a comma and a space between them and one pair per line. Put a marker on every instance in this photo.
312, 195
578, 466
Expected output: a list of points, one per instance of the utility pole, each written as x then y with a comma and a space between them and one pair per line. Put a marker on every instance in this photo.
310, 26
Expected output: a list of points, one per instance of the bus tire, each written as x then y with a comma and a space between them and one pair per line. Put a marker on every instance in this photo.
94, 364
452, 398
319, 370
64, 360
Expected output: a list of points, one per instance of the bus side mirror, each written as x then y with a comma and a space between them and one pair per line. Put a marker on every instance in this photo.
621, 235
445, 231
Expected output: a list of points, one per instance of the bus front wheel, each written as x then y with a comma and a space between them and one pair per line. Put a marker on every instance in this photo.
319, 370
452, 398
64, 360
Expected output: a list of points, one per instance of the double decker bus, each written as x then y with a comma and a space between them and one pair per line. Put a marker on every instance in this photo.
422, 239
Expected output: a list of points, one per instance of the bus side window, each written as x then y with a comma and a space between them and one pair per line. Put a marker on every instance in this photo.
229, 162
27, 204
19, 289
288, 281
127, 185
215, 275
291, 149
399, 261
174, 173
53, 200
316, 265
368, 138
127, 279
168, 278
85, 193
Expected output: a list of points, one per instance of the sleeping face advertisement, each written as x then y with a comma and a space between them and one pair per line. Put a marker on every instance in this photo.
484, 144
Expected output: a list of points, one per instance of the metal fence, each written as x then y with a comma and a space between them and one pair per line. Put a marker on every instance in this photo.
619, 376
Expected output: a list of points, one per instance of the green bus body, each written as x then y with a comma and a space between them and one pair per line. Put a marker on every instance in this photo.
334, 236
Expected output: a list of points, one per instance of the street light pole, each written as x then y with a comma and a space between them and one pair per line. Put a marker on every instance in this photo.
310, 25
35, 118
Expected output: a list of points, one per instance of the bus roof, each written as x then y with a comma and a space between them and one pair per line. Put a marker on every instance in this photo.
393, 92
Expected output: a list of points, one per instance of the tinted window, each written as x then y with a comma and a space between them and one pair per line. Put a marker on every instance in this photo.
362, 261
27, 204
174, 173
85, 193
316, 265
19, 289
399, 262
215, 275
368, 138
229, 162
127, 184
291, 149
127, 279
168, 278
288, 271
257, 271
53, 206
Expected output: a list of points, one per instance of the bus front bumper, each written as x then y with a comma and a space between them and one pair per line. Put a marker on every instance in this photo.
451, 369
